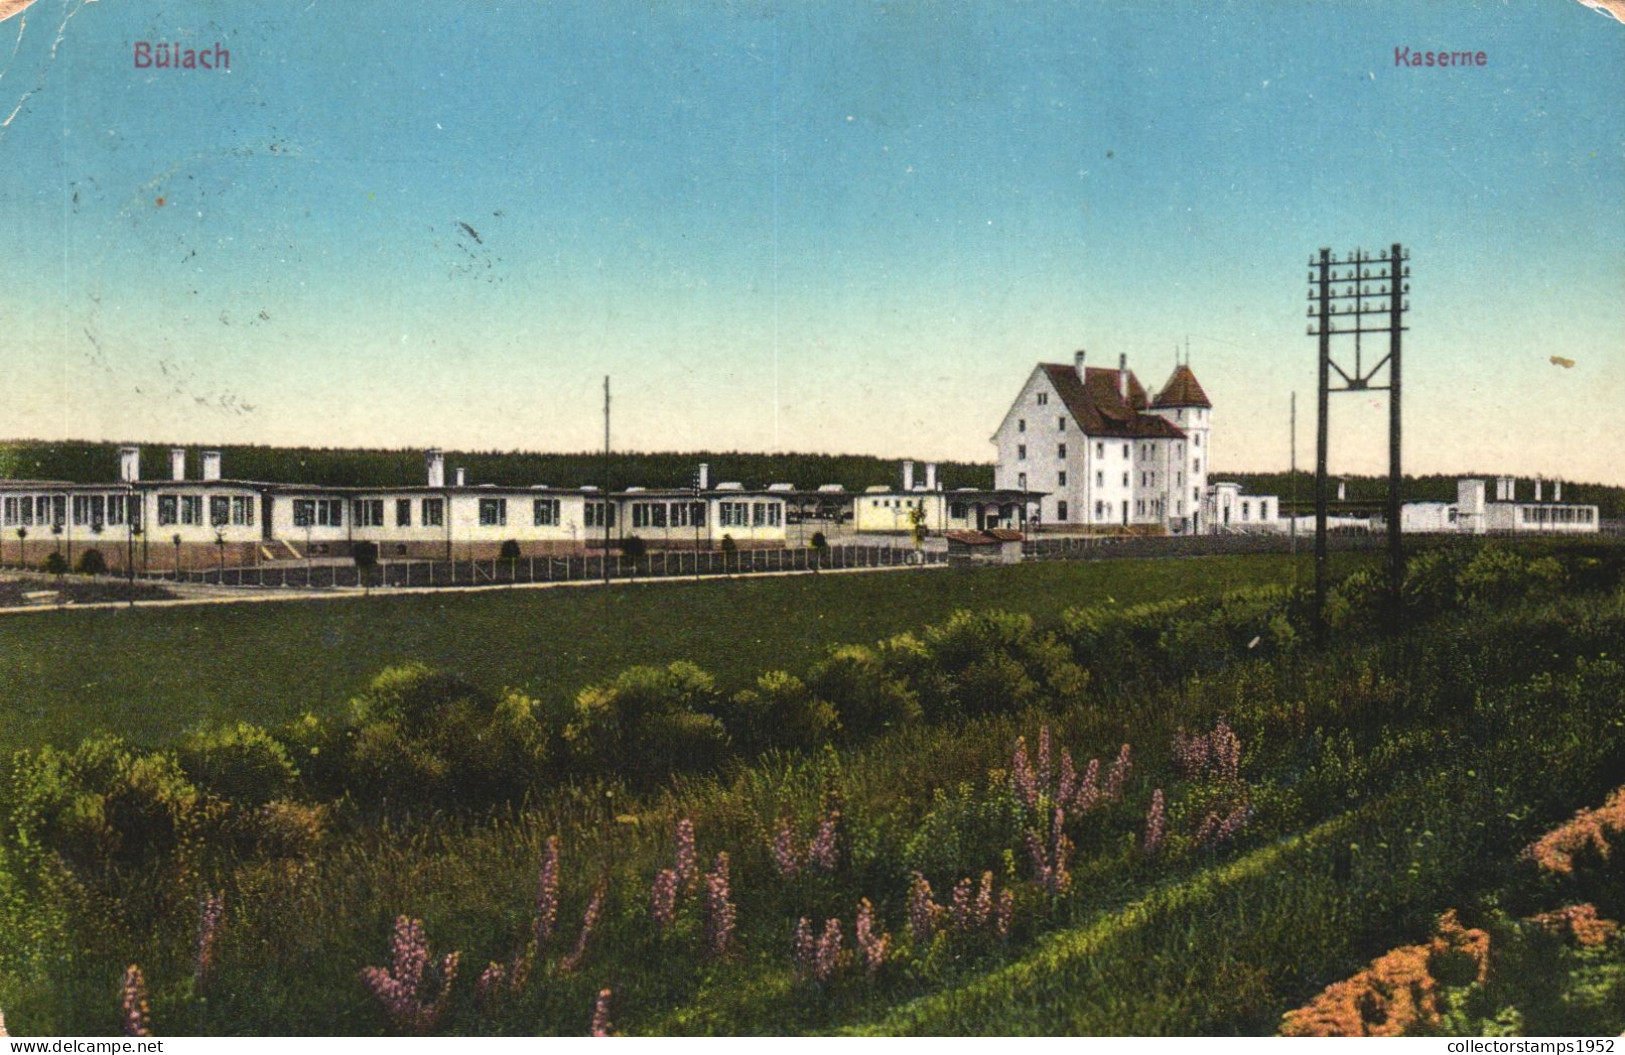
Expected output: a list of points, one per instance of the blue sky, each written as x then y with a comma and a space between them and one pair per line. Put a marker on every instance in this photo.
832, 226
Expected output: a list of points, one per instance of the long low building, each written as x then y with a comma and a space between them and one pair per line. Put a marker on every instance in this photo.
214, 519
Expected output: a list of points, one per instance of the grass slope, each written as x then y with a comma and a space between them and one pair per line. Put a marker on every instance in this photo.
150, 673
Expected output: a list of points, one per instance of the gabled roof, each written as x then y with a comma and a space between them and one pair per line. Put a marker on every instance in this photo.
1183, 390
1097, 405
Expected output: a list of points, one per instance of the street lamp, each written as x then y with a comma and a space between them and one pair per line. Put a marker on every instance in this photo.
176, 539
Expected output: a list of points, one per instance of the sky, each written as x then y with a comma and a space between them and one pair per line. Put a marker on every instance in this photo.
836, 226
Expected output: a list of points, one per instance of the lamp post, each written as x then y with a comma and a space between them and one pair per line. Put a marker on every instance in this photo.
176, 540
220, 556
22, 547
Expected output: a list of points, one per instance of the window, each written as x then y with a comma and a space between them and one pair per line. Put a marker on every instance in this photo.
1043, 399
758, 514
403, 512
1139, 508
1125, 450
1196, 466
191, 509
957, 510
330, 512
1246, 510
115, 509
1100, 510
1060, 480
1196, 440
1021, 424
434, 512
1021, 452
1061, 451
89, 509
1060, 424
242, 510
1196, 494
304, 512
596, 512
697, 509
733, 514
1021, 481
545, 512
1100, 479
1100, 449
1060, 510
493, 512
219, 510
369, 512
1125, 479
1263, 510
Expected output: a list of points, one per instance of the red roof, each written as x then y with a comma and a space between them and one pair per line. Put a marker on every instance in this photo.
1183, 390
1099, 408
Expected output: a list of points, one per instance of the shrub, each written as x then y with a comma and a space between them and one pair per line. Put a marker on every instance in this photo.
1429, 588
623, 726
1358, 603
243, 764
91, 562
55, 564
509, 550
780, 712
867, 698
1494, 576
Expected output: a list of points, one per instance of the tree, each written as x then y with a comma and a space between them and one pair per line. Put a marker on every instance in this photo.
634, 549
365, 555
820, 548
91, 562
56, 564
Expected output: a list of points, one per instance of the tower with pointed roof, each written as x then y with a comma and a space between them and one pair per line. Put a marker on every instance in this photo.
1106, 455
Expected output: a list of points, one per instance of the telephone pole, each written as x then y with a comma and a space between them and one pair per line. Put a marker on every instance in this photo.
608, 508
1342, 293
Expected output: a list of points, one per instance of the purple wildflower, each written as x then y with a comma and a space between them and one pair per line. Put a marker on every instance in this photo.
806, 945
663, 898
1225, 749
1061, 854
211, 914
133, 990
1041, 765
398, 986
1216, 829
786, 861
873, 948
601, 1026
1067, 784
1040, 859
489, 981
922, 911
1155, 822
823, 851
961, 913
547, 892
589, 924
1002, 912
1087, 797
688, 871
984, 900
720, 913
828, 956
1022, 781
1118, 777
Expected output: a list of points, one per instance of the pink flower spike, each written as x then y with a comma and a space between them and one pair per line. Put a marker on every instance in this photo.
601, 1026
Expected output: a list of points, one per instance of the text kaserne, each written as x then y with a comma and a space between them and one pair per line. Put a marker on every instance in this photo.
1407, 57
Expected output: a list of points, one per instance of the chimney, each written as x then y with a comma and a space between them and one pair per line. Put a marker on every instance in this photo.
1511, 489
1122, 377
434, 467
1537, 488
930, 476
129, 464
705, 476
177, 463
462, 476
908, 474
211, 465
1557, 490
1077, 363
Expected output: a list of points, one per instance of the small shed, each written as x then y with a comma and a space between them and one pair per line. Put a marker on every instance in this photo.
992, 546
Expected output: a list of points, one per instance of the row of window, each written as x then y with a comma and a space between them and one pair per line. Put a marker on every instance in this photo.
1557, 514
1021, 424
749, 514
667, 514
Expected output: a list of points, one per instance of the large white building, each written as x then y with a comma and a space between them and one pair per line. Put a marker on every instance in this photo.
1473, 513
1105, 454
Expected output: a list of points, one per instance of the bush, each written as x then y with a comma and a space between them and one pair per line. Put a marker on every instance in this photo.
780, 712
1358, 603
1429, 589
626, 725
91, 562
55, 564
997, 660
509, 551
1494, 576
242, 764
868, 699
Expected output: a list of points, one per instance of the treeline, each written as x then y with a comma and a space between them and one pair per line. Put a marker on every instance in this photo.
85, 462
1435, 487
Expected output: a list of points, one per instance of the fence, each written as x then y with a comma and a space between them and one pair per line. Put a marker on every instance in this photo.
661, 564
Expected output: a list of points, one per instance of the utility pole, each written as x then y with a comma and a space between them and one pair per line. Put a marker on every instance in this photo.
1343, 288
1292, 489
608, 509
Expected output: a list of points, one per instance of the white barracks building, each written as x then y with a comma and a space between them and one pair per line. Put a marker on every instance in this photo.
1107, 456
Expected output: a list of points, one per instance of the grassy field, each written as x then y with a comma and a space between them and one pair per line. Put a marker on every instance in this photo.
148, 674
